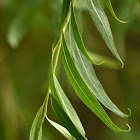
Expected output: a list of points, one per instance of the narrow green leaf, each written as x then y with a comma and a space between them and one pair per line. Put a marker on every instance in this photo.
61, 129
36, 129
86, 71
64, 21
77, 35
109, 5
65, 9
65, 111
65, 120
62, 99
83, 91
103, 26
20, 24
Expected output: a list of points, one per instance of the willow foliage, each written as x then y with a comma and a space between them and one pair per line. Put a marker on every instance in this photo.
78, 65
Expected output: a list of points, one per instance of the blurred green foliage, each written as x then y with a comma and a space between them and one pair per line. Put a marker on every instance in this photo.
30, 26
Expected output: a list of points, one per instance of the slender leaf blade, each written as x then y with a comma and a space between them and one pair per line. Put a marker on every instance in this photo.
36, 129
109, 5
65, 9
62, 99
61, 129
103, 26
77, 35
65, 120
83, 91
64, 19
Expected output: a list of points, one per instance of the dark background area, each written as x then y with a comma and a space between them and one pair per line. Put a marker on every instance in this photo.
27, 31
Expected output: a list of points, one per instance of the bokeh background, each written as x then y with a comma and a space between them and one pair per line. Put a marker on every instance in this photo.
27, 31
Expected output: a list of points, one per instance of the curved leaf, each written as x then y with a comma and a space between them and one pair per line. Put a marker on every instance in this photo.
36, 129
61, 98
86, 71
83, 91
103, 26
61, 129
109, 5
65, 120
65, 9
77, 35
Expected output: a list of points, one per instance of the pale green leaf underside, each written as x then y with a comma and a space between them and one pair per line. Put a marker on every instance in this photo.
66, 105
86, 71
103, 26
83, 91
36, 129
109, 5
61, 129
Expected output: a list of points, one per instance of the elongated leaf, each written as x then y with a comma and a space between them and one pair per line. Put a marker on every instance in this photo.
65, 111
83, 91
86, 71
63, 117
36, 129
65, 9
62, 99
20, 24
61, 129
103, 26
77, 35
64, 20
109, 5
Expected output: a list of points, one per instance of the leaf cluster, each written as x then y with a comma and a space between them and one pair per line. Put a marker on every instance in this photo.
79, 68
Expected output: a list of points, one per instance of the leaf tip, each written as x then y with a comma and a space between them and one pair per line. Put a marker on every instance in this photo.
129, 128
122, 64
129, 112
121, 21
98, 63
